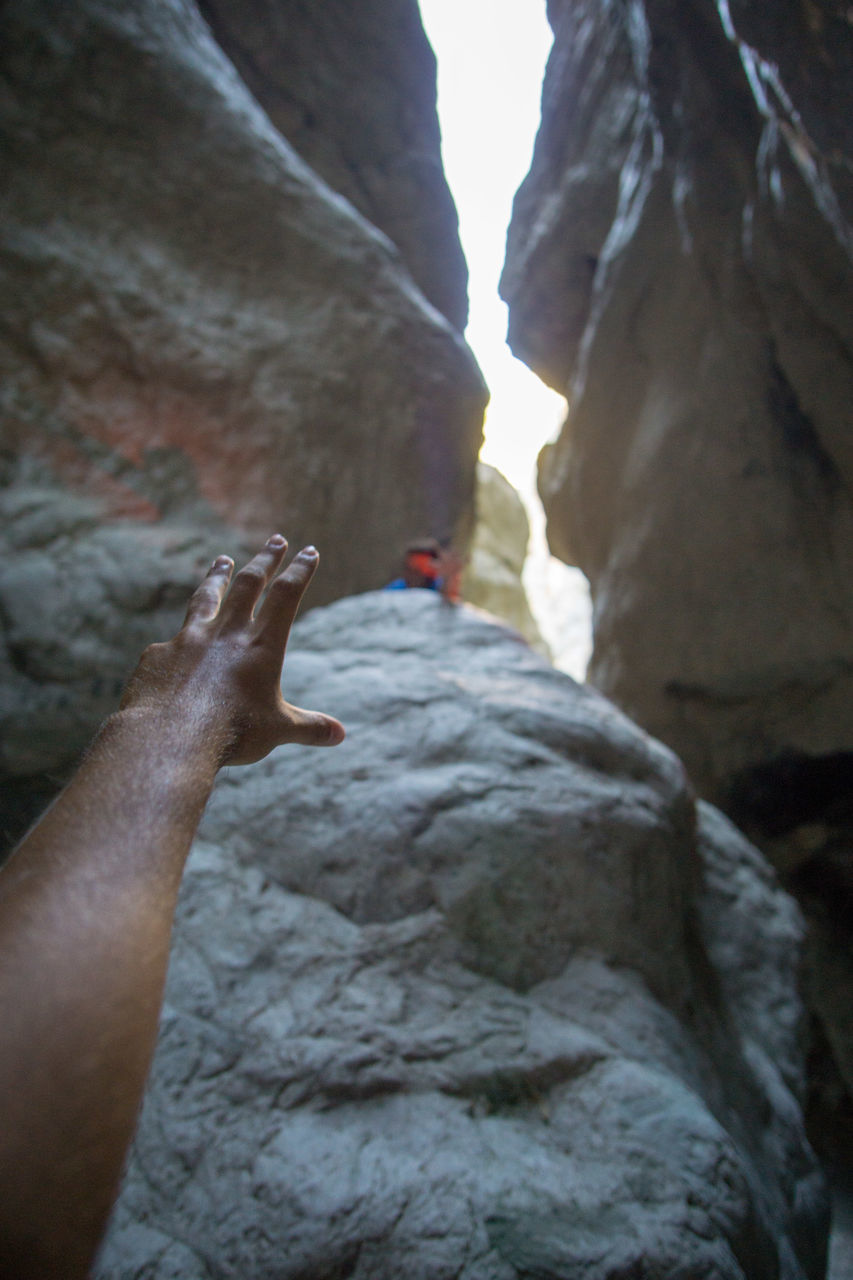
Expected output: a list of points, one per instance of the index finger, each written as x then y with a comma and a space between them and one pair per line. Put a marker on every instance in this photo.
206, 599
249, 584
276, 615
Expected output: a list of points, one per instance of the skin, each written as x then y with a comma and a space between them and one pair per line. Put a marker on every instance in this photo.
88, 899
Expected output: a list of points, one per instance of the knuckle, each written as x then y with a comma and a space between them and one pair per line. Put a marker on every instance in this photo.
287, 586
193, 629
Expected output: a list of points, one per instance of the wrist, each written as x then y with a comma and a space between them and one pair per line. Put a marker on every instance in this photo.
173, 735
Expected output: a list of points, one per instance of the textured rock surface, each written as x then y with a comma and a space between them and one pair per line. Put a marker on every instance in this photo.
467, 997
200, 342
680, 261
351, 85
192, 316
492, 578
79, 600
679, 265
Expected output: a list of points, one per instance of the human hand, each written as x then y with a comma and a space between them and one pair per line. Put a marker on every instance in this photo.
221, 674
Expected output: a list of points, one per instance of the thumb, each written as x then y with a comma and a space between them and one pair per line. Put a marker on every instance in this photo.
312, 728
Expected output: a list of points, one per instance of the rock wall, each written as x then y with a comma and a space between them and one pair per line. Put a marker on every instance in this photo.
200, 341
679, 262
492, 578
679, 266
352, 87
480, 993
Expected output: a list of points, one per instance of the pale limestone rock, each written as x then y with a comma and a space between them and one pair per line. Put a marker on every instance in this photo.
466, 996
492, 578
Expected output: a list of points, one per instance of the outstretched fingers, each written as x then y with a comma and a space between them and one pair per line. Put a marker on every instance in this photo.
249, 583
275, 618
207, 598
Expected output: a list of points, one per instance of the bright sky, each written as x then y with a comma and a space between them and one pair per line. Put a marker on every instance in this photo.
491, 58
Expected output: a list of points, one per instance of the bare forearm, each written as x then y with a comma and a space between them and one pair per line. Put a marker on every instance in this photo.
86, 907
87, 902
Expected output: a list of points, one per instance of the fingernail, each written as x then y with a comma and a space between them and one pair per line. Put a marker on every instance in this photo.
221, 562
311, 552
276, 540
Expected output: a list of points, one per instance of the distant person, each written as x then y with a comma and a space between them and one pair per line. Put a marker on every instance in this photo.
431, 567
88, 898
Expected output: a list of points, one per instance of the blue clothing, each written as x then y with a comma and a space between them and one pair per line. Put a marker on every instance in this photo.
400, 584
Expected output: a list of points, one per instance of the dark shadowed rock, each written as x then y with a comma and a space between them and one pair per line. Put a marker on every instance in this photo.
351, 85
467, 997
679, 265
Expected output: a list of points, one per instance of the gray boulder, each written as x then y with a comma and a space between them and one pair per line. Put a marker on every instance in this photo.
469, 997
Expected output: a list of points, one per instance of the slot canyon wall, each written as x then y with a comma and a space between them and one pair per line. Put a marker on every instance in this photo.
201, 340
484, 992
679, 265
493, 575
